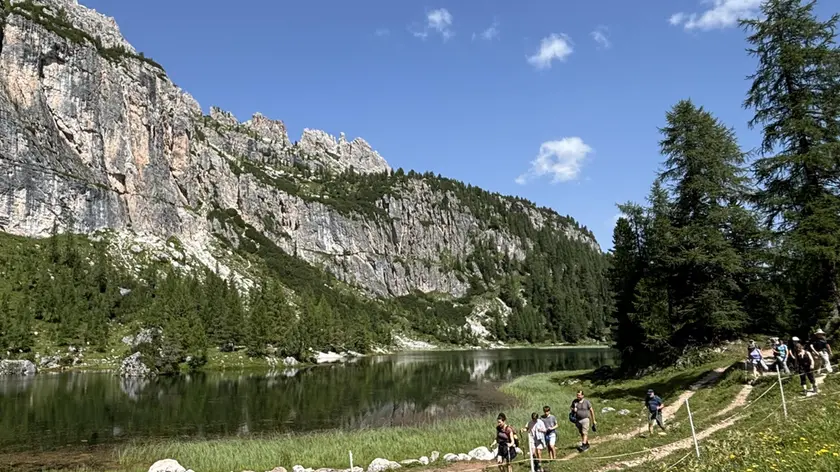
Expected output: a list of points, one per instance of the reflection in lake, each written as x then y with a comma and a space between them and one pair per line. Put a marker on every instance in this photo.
52, 410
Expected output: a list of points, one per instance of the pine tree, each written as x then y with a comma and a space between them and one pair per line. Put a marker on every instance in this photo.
795, 95
703, 171
626, 271
259, 324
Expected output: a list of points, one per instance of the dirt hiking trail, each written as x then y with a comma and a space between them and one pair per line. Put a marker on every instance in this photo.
655, 453
667, 412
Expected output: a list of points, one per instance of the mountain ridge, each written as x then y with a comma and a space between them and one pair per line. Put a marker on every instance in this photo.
95, 137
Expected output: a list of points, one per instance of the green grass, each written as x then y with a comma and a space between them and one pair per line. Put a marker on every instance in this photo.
330, 449
765, 441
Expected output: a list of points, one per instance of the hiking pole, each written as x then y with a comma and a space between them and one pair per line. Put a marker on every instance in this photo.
351, 460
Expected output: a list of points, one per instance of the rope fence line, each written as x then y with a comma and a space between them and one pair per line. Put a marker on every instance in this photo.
736, 417
678, 462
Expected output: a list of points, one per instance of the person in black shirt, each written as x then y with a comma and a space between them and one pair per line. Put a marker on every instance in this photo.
505, 441
822, 351
805, 364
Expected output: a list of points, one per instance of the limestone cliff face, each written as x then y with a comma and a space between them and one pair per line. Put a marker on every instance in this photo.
94, 136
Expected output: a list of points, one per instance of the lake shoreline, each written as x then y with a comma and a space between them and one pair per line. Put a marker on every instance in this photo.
231, 361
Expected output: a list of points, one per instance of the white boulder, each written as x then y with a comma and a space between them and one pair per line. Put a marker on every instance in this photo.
381, 465
167, 465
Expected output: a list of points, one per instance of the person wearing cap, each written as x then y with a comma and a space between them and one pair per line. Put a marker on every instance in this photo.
654, 405
822, 350
550, 422
780, 352
793, 347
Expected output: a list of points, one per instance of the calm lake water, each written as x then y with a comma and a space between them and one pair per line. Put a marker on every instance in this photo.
54, 410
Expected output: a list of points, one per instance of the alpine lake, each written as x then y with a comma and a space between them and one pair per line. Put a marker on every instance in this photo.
74, 411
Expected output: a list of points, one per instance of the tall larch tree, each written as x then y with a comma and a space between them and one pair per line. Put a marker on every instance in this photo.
795, 96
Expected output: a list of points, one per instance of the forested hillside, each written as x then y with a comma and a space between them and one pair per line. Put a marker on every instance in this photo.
735, 241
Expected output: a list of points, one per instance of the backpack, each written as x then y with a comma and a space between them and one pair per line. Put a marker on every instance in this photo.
515, 438
572, 417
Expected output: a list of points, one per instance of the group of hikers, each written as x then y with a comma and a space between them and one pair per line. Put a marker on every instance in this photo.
542, 430
801, 357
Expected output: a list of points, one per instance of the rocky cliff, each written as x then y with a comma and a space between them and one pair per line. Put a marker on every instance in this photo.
94, 136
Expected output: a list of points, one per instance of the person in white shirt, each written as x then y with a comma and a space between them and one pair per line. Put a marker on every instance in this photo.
536, 438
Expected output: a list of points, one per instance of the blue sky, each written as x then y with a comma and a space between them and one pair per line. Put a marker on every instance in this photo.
558, 102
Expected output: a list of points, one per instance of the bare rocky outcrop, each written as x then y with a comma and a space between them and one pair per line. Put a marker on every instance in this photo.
95, 137
133, 366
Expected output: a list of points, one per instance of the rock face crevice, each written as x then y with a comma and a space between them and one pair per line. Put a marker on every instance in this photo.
94, 136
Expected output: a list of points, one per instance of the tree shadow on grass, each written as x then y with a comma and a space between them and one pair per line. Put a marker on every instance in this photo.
609, 386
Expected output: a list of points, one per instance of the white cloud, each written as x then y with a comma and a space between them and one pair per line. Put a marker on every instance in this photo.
561, 159
439, 21
720, 14
677, 18
381, 32
555, 46
600, 37
489, 34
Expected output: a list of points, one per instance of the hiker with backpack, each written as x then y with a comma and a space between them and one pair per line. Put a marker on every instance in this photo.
654, 405
582, 415
822, 351
805, 364
506, 440
536, 438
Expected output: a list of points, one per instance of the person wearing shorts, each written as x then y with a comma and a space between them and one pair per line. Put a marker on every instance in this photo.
550, 422
585, 415
536, 438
